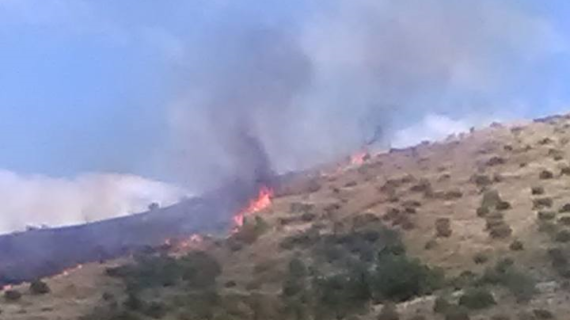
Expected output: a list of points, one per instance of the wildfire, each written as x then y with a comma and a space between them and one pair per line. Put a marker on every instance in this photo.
66, 272
262, 201
359, 157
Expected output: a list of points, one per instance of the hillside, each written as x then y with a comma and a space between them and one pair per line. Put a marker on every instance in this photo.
488, 210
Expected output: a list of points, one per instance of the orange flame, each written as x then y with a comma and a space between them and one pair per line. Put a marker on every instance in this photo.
262, 201
358, 158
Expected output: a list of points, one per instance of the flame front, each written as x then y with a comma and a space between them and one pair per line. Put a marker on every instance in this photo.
262, 201
358, 158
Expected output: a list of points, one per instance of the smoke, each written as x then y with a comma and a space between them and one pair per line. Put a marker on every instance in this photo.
35, 201
344, 73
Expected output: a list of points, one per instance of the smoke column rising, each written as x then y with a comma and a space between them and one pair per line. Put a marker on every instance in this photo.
317, 88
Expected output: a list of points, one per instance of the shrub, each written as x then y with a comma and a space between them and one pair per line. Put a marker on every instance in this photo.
548, 227
495, 160
537, 190
297, 268
503, 205
443, 227
389, 312
542, 314
542, 203
565, 171
39, 287
500, 317
482, 211
562, 236
12, 295
490, 199
400, 278
457, 313
545, 174
565, 208
546, 215
516, 245
430, 244
298, 207
481, 180
441, 305
480, 258
564, 220
501, 231
477, 298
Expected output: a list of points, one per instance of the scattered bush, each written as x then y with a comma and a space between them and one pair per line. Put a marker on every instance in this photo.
501, 231
516, 245
12, 295
495, 160
503, 205
548, 227
490, 199
481, 180
542, 314
399, 278
521, 285
443, 227
39, 287
457, 313
546, 215
545, 174
298, 207
430, 244
480, 258
389, 312
477, 298
564, 220
565, 208
563, 236
565, 171
441, 305
482, 211
542, 203
537, 190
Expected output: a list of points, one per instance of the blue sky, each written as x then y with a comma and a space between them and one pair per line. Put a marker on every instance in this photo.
85, 85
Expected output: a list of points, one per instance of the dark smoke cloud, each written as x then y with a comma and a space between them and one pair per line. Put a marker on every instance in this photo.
343, 74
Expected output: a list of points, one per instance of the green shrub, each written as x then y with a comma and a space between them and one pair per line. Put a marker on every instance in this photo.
490, 199
503, 205
443, 227
12, 295
399, 278
477, 298
516, 245
389, 312
457, 313
39, 287
541, 203
562, 236
441, 305
537, 190
480, 258
501, 231
545, 174
542, 314
546, 215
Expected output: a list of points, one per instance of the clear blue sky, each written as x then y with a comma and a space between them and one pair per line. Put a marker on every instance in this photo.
84, 84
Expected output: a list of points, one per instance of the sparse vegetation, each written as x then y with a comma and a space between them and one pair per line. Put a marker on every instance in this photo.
389, 312
477, 298
480, 258
542, 314
541, 203
12, 295
516, 245
546, 215
537, 190
443, 227
545, 174
39, 287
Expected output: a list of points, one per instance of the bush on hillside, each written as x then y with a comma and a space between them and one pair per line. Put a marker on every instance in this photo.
542, 203
443, 227
545, 174
477, 298
12, 295
39, 287
537, 190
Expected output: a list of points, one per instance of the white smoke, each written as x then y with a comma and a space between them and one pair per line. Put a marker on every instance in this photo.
36, 200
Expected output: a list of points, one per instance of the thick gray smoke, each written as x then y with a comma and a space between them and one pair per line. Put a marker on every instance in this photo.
343, 74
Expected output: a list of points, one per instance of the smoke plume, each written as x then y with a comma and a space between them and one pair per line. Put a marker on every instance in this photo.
35, 201
345, 73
